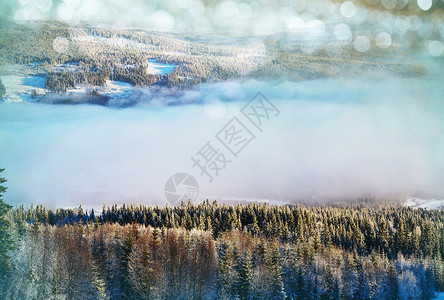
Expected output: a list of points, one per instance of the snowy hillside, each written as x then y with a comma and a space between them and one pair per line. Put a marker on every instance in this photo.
425, 203
439, 296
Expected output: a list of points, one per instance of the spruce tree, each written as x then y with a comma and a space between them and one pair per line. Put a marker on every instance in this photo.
392, 281
6, 243
243, 284
224, 271
2, 90
276, 285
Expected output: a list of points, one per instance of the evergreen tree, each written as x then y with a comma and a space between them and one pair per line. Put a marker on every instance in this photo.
244, 280
141, 272
6, 242
275, 284
224, 271
2, 90
129, 252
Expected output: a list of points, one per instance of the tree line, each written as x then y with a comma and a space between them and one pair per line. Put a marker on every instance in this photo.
113, 261
385, 229
213, 251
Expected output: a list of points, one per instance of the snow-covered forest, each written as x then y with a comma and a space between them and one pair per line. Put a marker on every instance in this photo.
213, 251
111, 261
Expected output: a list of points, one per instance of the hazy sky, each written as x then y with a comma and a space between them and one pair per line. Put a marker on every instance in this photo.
241, 17
334, 138
404, 23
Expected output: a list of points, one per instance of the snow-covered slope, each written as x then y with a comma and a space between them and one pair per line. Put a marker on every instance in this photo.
424, 203
439, 296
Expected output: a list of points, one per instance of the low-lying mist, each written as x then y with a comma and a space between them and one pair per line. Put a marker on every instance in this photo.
375, 136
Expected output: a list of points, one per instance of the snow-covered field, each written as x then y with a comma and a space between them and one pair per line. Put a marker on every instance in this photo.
117, 89
156, 68
112, 89
20, 88
425, 203
72, 67
439, 296
115, 42
245, 200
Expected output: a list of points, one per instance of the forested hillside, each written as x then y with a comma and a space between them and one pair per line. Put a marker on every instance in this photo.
211, 251
68, 56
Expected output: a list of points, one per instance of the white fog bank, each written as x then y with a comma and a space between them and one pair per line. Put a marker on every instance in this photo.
335, 138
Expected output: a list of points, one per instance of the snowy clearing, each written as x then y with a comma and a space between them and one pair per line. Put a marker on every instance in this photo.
112, 89
156, 68
425, 203
20, 88
439, 296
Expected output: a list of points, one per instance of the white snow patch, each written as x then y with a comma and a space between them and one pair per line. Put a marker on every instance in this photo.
72, 67
174, 53
156, 68
117, 89
246, 200
439, 296
112, 89
80, 89
20, 88
424, 203
115, 42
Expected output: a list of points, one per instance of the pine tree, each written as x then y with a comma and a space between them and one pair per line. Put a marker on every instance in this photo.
125, 249
141, 273
98, 283
276, 285
392, 282
244, 280
2, 90
6, 242
362, 291
20, 223
224, 271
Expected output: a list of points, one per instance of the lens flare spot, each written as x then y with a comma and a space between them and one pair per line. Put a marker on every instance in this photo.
362, 43
348, 9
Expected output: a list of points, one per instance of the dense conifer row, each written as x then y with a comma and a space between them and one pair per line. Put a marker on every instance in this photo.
353, 227
212, 251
